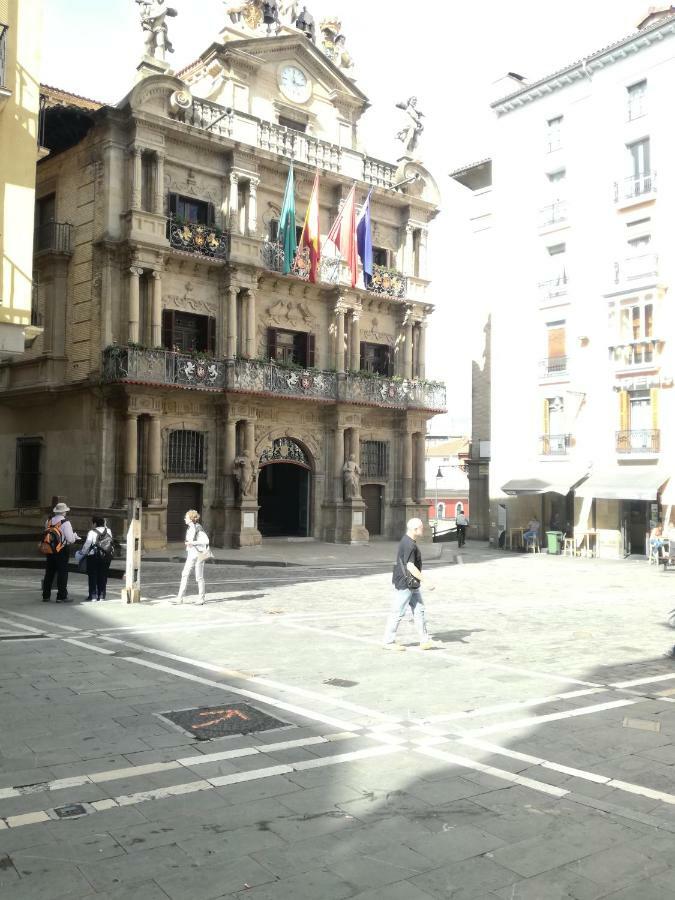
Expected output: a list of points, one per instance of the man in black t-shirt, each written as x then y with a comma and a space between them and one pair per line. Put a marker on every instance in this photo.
406, 579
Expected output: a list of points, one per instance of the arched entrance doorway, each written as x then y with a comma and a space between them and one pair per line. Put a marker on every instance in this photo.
284, 490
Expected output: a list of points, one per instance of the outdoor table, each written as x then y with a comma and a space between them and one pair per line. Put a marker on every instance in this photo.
588, 543
518, 534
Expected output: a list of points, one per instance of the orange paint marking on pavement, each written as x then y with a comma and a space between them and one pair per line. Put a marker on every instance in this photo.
226, 714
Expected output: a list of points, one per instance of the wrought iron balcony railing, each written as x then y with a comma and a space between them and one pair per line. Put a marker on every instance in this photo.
282, 141
554, 444
553, 214
164, 367
635, 186
632, 268
554, 287
54, 237
386, 282
191, 237
646, 440
553, 365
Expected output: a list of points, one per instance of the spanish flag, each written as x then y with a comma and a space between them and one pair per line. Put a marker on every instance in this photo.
310, 236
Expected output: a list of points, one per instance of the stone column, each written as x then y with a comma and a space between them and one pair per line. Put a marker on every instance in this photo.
250, 324
253, 206
408, 347
232, 322
154, 460
406, 466
420, 480
136, 177
340, 340
339, 460
134, 304
159, 184
424, 238
421, 349
355, 342
131, 456
230, 455
408, 251
156, 326
234, 202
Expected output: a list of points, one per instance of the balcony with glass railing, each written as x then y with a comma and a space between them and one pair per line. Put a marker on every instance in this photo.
635, 187
636, 267
282, 141
553, 288
138, 365
641, 441
554, 444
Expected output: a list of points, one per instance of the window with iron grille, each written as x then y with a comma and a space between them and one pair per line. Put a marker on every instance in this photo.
374, 459
186, 454
27, 482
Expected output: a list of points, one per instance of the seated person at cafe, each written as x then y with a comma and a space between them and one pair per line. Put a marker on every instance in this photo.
656, 539
532, 531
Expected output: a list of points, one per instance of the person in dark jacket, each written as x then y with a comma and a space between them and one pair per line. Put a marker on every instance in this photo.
408, 572
98, 563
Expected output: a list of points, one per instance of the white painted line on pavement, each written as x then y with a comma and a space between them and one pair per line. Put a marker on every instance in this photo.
638, 681
502, 774
11, 612
531, 721
481, 711
176, 790
261, 698
28, 628
88, 646
199, 759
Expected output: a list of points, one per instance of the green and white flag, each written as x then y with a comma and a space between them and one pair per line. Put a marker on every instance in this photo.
287, 237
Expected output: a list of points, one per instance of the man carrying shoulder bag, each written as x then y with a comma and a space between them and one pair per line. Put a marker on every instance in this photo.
406, 579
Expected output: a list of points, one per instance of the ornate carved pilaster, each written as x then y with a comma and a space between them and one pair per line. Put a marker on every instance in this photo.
134, 304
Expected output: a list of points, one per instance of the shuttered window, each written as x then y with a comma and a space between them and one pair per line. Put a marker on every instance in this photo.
556, 340
291, 347
199, 212
186, 332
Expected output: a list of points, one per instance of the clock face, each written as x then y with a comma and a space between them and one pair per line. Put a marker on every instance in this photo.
294, 84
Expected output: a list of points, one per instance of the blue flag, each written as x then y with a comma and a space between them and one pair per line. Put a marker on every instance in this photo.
287, 237
364, 241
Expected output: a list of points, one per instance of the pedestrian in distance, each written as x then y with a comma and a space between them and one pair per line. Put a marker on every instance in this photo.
98, 550
197, 546
55, 545
461, 523
406, 579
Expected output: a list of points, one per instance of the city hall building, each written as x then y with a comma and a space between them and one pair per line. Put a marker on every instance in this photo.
174, 361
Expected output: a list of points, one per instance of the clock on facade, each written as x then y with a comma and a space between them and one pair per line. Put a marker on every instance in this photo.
295, 84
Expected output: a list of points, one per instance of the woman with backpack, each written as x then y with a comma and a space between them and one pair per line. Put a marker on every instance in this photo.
98, 551
197, 546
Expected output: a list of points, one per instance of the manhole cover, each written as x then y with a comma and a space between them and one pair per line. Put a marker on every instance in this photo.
70, 811
340, 682
208, 722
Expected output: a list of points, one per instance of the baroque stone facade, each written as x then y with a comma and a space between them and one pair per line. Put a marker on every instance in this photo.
177, 363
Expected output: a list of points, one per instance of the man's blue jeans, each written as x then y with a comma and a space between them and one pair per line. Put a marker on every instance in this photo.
399, 604
530, 534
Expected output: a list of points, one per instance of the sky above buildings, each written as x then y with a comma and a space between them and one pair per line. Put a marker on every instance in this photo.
448, 54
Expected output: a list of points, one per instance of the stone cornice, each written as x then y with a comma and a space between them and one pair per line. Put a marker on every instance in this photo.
585, 68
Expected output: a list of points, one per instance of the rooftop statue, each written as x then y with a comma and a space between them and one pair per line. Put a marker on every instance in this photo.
153, 22
305, 23
289, 11
333, 43
413, 128
254, 13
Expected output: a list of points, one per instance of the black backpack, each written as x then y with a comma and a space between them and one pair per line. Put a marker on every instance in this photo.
104, 547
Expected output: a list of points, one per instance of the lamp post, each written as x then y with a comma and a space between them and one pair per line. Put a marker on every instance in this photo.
439, 474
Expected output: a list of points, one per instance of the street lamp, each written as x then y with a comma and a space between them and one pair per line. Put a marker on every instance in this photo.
439, 474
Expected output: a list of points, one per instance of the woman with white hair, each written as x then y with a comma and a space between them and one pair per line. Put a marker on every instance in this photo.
197, 546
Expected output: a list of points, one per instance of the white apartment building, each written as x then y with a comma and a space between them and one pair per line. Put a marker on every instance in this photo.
583, 347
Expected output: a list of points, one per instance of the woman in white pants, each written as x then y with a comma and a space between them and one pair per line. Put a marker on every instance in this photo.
196, 543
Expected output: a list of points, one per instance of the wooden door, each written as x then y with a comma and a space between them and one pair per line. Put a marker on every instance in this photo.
372, 495
183, 495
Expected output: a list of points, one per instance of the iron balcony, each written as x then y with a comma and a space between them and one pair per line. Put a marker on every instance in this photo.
554, 444
54, 237
164, 368
645, 440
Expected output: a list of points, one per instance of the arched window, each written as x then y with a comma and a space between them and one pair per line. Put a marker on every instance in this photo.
440, 511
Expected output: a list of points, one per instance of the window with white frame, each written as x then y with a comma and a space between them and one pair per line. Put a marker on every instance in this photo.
639, 168
554, 133
638, 233
637, 99
555, 263
632, 324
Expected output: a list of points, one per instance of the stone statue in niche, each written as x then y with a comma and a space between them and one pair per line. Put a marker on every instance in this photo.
351, 477
245, 472
153, 22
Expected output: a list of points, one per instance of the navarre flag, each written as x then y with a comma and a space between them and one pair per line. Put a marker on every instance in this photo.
343, 233
310, 231
287, 236
364, 241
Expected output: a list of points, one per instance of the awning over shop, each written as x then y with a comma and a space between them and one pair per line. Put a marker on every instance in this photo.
558, 478
624, 483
